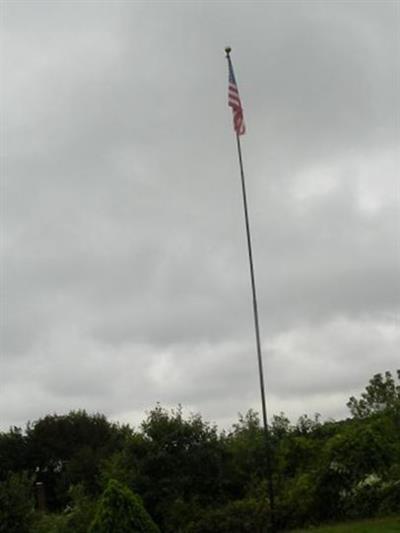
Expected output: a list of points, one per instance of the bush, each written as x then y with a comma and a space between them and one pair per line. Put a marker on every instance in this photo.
50, 523
16, 504
121, 511
364, 500
242, 516
390, 498
75, 518
81, 512
295, 503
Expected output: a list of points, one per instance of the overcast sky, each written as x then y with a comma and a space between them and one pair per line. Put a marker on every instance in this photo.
125, 275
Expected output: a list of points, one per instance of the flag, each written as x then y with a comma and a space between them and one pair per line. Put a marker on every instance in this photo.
234, 102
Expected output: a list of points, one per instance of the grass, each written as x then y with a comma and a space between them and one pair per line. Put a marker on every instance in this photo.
378, 525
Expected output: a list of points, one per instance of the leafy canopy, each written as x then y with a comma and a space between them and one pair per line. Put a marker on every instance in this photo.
381, 394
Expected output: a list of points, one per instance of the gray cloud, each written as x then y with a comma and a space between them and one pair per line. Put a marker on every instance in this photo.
125, 267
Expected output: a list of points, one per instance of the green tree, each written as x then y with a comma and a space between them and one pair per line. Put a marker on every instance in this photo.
121, 511
280, 426
173, 460
381, 394
246, 446
16, 504
13, 452
68, 450
361, 450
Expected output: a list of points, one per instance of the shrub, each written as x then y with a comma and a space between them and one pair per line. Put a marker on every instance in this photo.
16, 504
295, 503
50, 523
241, 516
390, 498
364, 500
121, 511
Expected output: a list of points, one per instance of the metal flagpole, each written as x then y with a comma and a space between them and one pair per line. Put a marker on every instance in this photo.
256, 327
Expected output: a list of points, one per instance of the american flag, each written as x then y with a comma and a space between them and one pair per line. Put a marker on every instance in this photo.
234, 102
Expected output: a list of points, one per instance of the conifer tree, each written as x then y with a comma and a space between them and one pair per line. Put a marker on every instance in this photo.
121, 511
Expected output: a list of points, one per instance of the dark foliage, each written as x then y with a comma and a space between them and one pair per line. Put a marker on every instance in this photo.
192, 479
16, 504
67, 450
13, 453
382, 394
121, 511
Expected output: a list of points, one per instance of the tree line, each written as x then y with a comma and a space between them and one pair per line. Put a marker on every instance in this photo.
82, 473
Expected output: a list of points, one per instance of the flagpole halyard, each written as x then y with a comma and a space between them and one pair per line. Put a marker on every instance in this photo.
240, 129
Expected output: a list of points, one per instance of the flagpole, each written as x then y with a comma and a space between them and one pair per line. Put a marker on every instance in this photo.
257, 328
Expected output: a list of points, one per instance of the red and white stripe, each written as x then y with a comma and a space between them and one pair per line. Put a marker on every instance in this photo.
236, 105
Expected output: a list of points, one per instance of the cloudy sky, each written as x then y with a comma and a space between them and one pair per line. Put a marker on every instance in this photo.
125, 275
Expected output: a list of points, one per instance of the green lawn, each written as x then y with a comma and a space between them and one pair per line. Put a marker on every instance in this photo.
381, 525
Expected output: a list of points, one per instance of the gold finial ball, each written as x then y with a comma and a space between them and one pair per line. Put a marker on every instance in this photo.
228, 50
